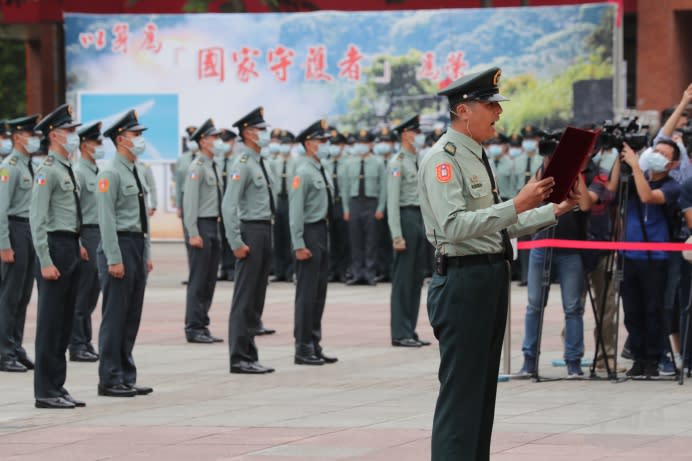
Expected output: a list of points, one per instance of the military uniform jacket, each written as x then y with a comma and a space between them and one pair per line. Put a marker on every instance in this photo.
456, 200
149, 184
520, 173
53, 206
402, 188
202, 192
308, 200
15, 192
277, 165
375, 181
86, 173
338, 173
118, 207
247, 195
504, 172
181, 167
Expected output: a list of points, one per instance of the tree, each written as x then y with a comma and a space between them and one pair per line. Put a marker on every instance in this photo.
13, 78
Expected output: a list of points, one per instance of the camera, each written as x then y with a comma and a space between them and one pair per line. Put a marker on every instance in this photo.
628, 130
548, 142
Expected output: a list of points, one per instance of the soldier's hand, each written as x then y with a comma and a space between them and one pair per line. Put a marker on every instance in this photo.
379, 215
150, 265
303, 253
50, 273
196, 242
533, 194
116, 270
151, 211
399, 244
83, 253
570, 202
7, 256
179, 212
242, 252
347, 215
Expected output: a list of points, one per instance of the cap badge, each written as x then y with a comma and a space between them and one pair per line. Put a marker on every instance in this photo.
496, 77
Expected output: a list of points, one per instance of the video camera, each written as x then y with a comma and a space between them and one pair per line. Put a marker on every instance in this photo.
628, 130
548, 142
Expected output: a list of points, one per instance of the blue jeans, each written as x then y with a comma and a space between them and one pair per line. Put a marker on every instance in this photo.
568, 268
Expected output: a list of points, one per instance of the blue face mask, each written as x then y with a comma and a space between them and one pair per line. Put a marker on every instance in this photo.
382, 148
657, 162
284, 149
219, 148
419, 141
514, 152
334, 150
274, 148
99, 152
33, 144
263, 138
529, 145
494, 150
360, 149
323, 151
5, 146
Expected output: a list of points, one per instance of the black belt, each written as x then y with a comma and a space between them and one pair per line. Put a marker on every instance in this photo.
283, 195
69, 234
210, 218
90, 226
474, 260
256, 221
364, 198
130, 234
410, 207
18, 219
321, 221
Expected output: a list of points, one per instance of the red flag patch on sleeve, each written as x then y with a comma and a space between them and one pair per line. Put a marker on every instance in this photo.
444, 172
103, 185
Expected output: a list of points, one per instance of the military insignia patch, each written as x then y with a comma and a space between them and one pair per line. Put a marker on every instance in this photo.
48, 161
450, 148
296, 182
4, 175
194, 176
40, 180
396, 172
13, 161
475, 182
444, 172
103, 185
235, 176
243, 159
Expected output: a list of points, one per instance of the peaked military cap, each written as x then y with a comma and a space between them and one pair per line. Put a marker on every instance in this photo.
530, 131
500, 139
385, 135
337, 138
412, 124
205, 129
4, 128
127, 122
286, 137
227, 135
515, 140
90, 132
318, 130
59, 118
24, 124
479, 86
364, 136
189, 130
254, 119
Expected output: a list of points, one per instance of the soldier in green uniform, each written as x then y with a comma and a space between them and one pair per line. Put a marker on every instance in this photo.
408, 235
149, 183
201, 217
310, 204
468, 295
283, 168
384, 147
86, 171
364, 200
181, 166
55, 217
227, 261
5, 140
16, 248
248, 208
335, 166
498, 154
124, 258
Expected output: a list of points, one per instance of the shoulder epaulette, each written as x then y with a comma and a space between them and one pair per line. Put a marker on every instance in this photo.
48, 161
13, 160
450, 148
200, 161
243, 159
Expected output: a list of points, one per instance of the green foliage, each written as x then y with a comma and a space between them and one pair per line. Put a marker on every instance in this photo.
394, 100
600, 41
13, 78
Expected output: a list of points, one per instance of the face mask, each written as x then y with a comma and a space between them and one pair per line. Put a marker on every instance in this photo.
494, 150
71, 143
138, 146
323, 151
219, 148
514, 152
5, 146
284, 149
192, 146
382, 148
419, 141
264, 152
263, 138
333, 151
33, 144
529, 145
657, 162
274, 148
99, 152
360, 149
298, 150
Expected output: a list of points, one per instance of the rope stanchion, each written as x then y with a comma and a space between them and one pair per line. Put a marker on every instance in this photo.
603, 245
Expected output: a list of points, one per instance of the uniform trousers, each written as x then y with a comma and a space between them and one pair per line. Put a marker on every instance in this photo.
227, 260
88, 291
467, 310
16, 285
339, 253
282, 264
311, 289
122, 311
364, 237
408, 274
202, 283
249, 292
56, 303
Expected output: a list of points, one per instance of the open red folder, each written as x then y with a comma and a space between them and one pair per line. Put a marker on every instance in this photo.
569, 159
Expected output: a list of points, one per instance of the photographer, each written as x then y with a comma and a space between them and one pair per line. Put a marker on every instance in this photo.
649, 215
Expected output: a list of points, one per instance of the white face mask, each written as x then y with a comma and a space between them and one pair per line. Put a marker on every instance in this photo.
284, 149
419, 141
71, 143
529, 145
99, 152
138, 146
514, 152
360, 149
658, 163
5, 146
334, 150
494, 150
274, 148
33, 144
219, 148
192, 146
323, 150
263, 138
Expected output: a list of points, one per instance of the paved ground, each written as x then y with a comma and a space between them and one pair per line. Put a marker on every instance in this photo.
375, 404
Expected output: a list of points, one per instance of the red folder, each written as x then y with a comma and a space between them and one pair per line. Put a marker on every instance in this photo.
569, 159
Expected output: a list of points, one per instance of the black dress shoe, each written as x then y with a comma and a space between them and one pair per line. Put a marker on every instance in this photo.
117, 390
183, 282
407, 342
423, 342
75, 402
276, 278
57, 403
13, 366
372, 282
83, 356
250, 368
264, 331
24, 360
215, 339
327, 358
311, 359
140, 390
200, 338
